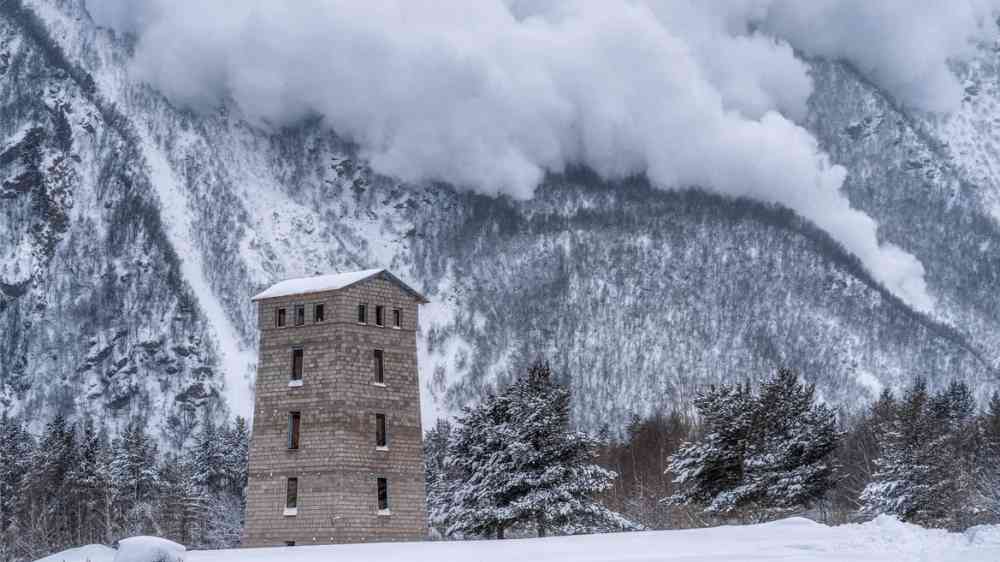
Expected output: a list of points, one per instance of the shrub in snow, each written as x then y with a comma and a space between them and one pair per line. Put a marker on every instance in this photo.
149, 549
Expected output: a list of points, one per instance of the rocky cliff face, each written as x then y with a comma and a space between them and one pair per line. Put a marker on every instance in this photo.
132, 235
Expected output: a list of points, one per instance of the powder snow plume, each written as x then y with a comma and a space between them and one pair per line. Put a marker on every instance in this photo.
491, 95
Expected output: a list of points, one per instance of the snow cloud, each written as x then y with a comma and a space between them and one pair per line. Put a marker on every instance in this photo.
491, 95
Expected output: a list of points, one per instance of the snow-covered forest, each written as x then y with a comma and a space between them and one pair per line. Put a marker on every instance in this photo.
513, 466
75, 484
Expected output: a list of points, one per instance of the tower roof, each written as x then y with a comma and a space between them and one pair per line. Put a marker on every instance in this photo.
331, 282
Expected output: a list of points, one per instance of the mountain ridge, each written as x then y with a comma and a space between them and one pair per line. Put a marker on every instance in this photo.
249, 206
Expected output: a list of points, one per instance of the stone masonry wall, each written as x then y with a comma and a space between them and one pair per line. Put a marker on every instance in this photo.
337, 462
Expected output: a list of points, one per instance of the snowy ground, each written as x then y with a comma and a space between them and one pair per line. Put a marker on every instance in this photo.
789, 540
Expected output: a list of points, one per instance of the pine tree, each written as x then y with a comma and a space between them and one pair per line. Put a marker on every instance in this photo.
556, 478
47, 511
927, 468
859, 451
902, 484
762, 455
713, 465
987, 480
88, 480
479, 456
227, 456
437, 475
236, 450
135, 478
16, 449
954, 413
516, 463
182, 505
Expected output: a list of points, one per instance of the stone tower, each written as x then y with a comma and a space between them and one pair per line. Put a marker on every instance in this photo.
336, 451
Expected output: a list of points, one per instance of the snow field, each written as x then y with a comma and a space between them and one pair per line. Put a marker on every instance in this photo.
789, 540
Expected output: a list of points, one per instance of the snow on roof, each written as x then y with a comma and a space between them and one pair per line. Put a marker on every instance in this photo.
330, 282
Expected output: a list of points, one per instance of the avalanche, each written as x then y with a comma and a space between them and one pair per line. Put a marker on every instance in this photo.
788, 540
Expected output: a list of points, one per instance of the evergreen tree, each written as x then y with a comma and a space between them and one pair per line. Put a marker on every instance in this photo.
46, 499
88, 480
712, 465
956, 451
208, 458
858, 453
517, 463
183, 502
987, 481
903, 483
437, 475
16, 449
135, 478
220, 459
762, 455
236, 450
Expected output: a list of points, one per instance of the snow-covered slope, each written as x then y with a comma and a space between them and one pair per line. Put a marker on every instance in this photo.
789, 540
133, 234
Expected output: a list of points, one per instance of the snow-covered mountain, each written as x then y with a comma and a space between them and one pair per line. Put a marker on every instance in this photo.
133, 233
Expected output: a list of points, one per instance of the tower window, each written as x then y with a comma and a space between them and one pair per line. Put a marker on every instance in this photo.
383, 495
363, 313
300, 315
380, 316
297, 364
381, 439
379, 367
294, 421
318, 313
397, 318
279, 318
292, 494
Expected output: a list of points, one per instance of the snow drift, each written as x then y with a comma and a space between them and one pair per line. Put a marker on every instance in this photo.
884, 539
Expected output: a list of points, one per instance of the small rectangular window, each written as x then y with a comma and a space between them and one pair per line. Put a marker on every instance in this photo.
381, 439
292, 494
279, 318
297, 358
294, 421
300, 315
383, 494
289, 543
379, 367
318, 313
397, 317
363, 313
380, 316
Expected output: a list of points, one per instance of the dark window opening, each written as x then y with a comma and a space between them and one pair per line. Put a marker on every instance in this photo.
397, 317
292, 493
379, 367
363, 313
294, 421
300, 315
318, 313
380, 316
380, 435
297, 364
383, 494
289, 543
279, 318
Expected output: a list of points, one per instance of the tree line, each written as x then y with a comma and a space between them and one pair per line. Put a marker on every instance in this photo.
513, 465
754, 454
75, 484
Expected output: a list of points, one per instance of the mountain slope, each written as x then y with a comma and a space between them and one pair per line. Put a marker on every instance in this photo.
140, 231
